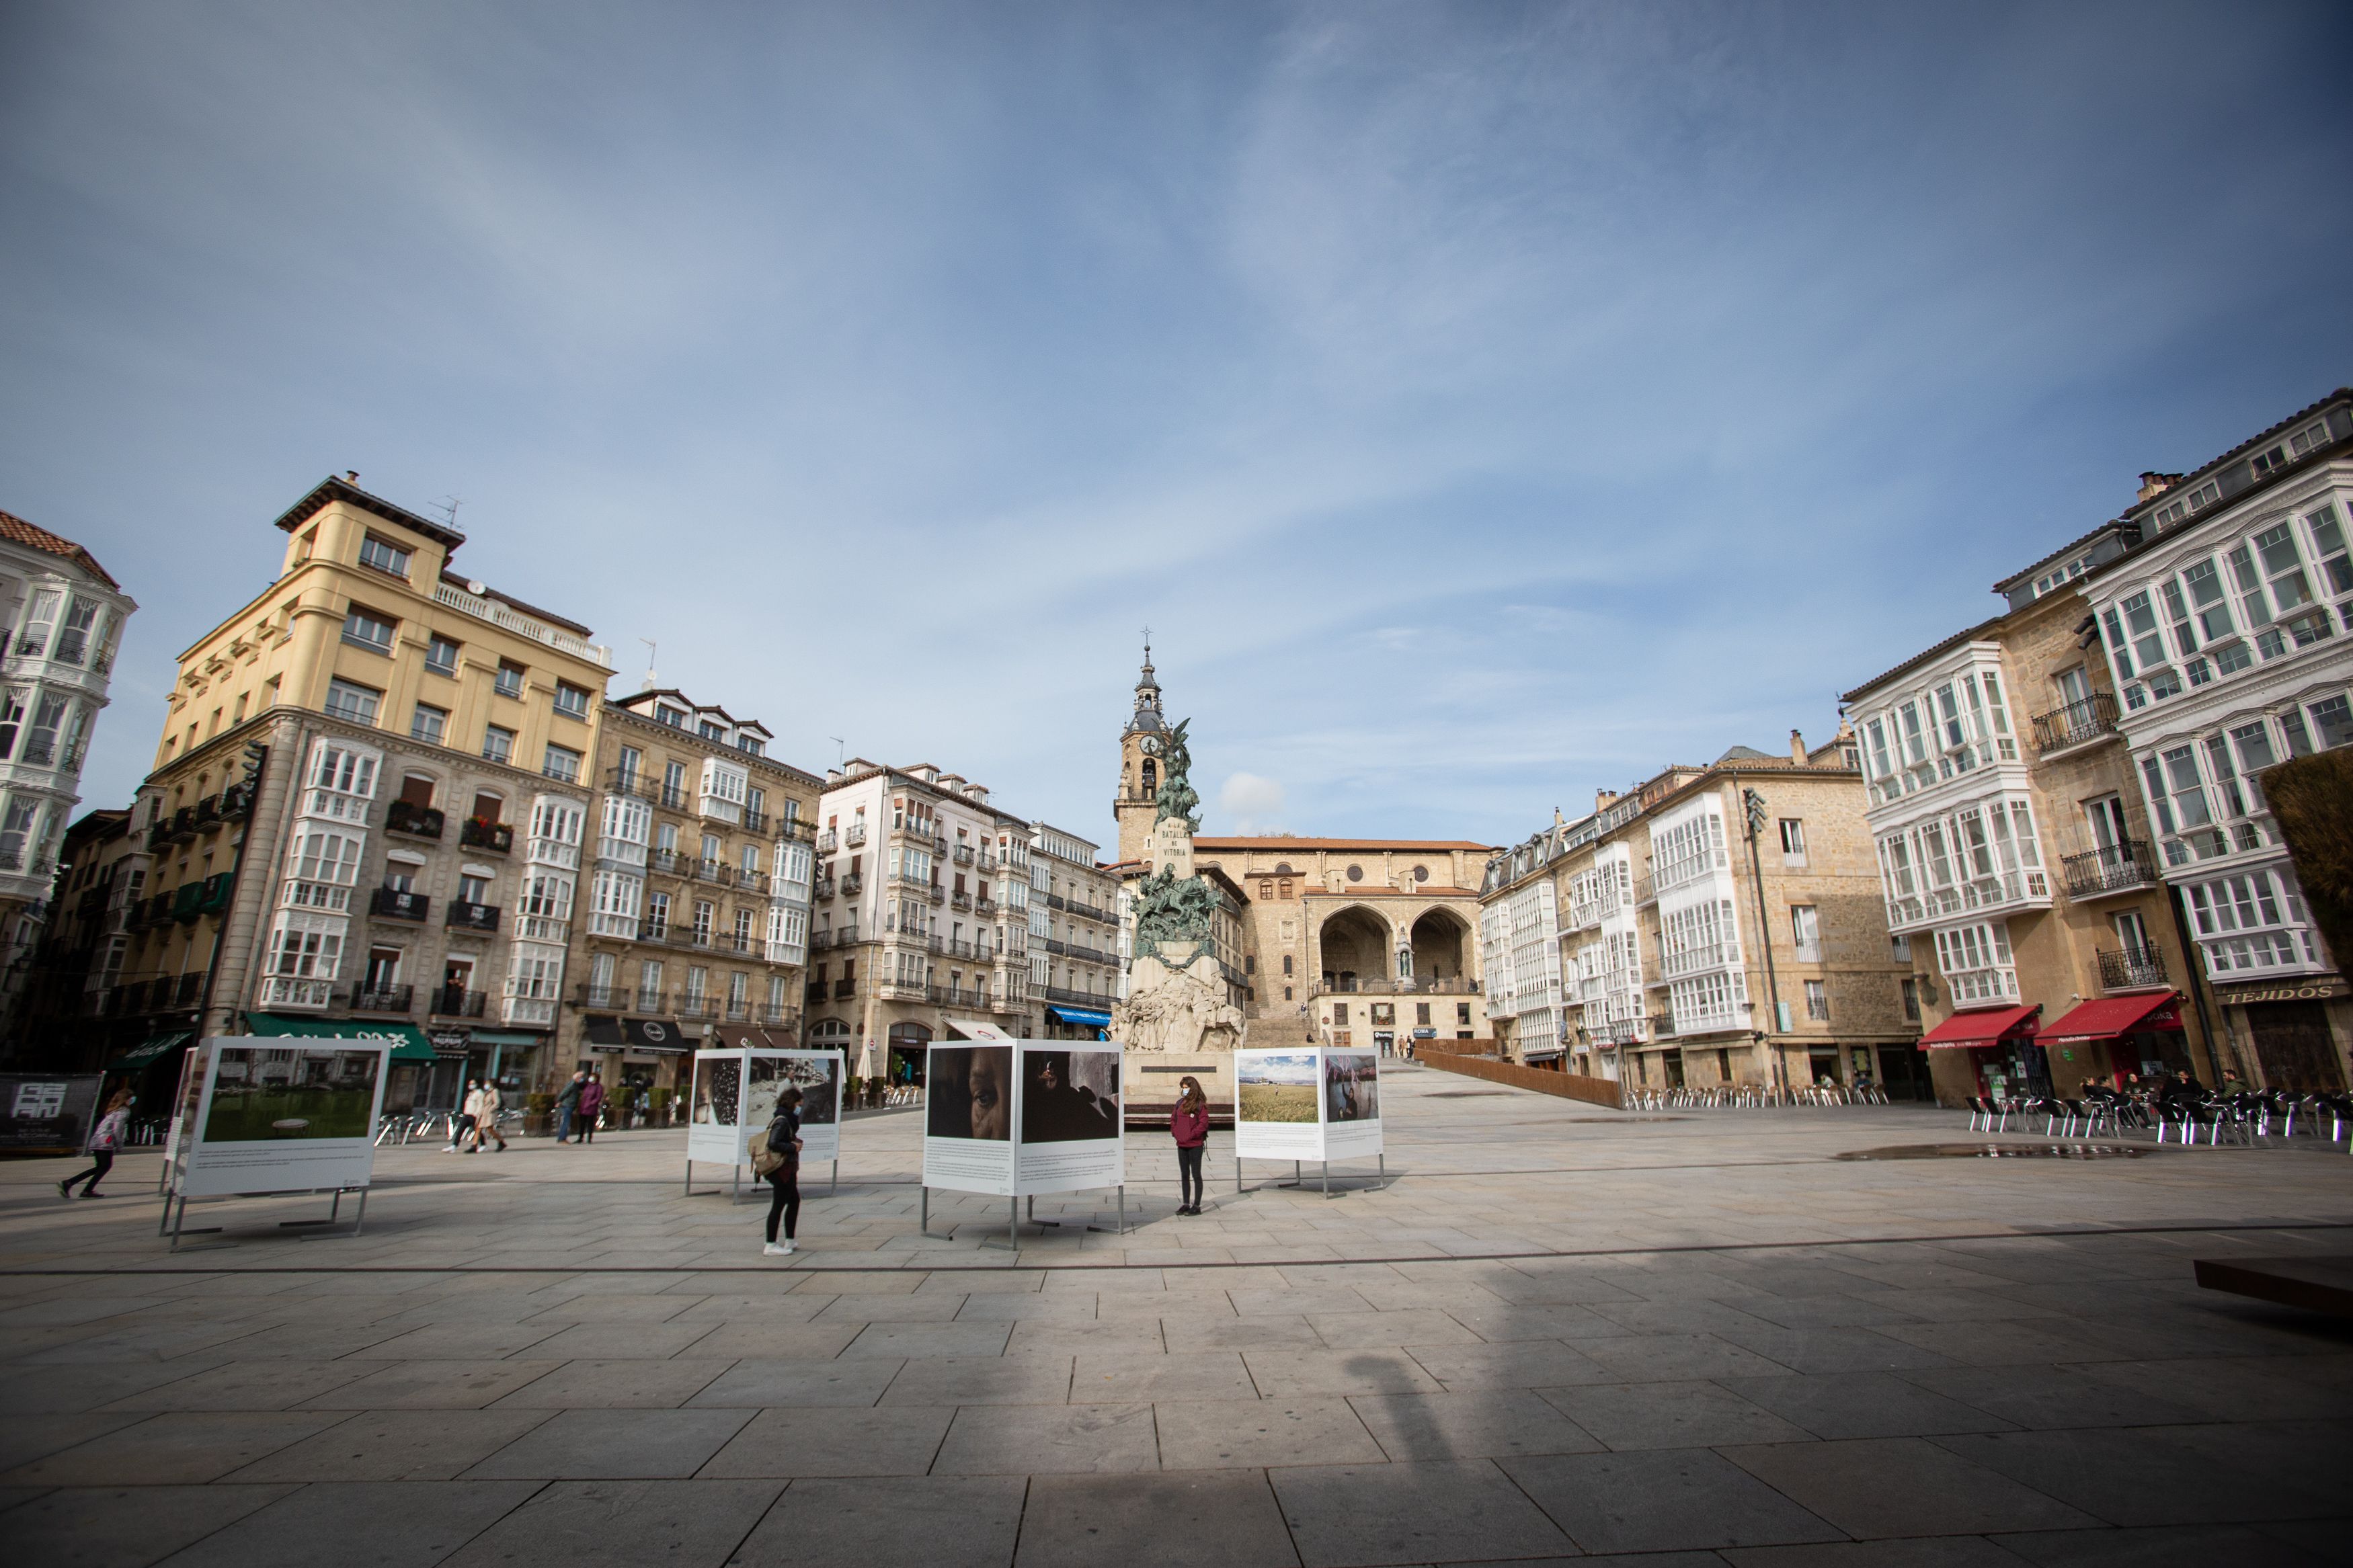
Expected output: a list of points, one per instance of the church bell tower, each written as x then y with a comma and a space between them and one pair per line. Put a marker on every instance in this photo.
1139, 766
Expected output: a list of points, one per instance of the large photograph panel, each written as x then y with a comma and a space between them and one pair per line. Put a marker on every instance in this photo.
1275, 1086
1069, 1097
717, 1089
1352, 1086
819, 1078
274, 1096
970, 1093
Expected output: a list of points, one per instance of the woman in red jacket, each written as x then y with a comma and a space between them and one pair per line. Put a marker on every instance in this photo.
1190, 1125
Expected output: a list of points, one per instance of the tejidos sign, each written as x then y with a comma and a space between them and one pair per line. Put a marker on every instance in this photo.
2310, 988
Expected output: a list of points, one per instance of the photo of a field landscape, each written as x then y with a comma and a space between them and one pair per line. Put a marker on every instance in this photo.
1276, 1088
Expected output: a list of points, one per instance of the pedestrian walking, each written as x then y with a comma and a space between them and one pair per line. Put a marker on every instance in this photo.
487, 1103
784, 1177
592, 1101
104, 1139
1190, 1125
461, 1125
567, 1106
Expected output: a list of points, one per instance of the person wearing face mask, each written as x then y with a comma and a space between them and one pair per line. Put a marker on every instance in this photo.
784, 1141
1190, 1125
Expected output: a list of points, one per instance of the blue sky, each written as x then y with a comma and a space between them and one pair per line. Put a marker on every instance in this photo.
1482, 403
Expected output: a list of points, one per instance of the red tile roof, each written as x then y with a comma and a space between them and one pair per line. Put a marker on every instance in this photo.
17, 531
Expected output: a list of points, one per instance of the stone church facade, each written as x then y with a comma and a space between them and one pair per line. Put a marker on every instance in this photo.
1348, 941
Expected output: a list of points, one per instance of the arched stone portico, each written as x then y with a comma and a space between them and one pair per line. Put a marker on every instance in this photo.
1431, 945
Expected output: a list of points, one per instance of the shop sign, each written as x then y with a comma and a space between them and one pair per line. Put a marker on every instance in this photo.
2310, 988
450, 1042
1425, 1034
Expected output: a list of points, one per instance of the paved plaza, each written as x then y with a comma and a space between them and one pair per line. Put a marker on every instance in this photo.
1561, 1332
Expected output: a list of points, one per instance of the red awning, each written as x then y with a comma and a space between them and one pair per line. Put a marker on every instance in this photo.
1984, 1027
2109, 1017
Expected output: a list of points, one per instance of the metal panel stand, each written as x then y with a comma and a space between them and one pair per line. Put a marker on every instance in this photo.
1012, 1242
835, 1186
1296, 1178
1123, 1214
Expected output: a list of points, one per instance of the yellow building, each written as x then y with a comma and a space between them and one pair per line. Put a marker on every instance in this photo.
368, 805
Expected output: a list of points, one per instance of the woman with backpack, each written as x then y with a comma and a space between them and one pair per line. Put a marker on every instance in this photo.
104, 1139
1190, 1125
782, 1156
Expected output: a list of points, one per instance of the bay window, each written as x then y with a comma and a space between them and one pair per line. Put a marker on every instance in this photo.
17, 825
2250, 923
321, 863
1982, 854
1976, 964
613, 899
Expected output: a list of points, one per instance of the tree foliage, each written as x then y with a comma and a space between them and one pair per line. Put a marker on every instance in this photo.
2312, 799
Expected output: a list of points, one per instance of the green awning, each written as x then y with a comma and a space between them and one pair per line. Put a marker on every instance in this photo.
147, 1051
506, 1038
409, 1041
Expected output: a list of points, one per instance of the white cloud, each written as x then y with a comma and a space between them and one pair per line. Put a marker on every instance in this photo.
1252, 802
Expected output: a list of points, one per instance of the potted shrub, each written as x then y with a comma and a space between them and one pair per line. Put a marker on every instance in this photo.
538, 1115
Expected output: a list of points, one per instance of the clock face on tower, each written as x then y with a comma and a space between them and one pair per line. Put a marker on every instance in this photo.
1151, 746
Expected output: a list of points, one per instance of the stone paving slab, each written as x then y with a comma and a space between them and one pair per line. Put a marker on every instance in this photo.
1553, 1337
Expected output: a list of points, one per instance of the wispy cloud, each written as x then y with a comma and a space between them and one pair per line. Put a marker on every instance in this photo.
1482, 403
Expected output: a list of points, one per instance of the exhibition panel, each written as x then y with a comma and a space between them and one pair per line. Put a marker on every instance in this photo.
1277, 1109
267, 1116
1321, 1103
735, 1096
1023, 1117
1067, 1133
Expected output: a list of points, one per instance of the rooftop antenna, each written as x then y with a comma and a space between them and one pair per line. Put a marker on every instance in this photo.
838, 754
652, 680
448, 506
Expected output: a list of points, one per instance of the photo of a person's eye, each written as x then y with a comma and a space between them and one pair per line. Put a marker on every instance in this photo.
970, 1093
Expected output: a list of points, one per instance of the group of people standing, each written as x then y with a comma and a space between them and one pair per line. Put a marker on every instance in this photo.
578, 1108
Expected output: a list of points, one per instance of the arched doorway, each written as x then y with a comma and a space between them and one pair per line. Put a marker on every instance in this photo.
1442, 944
905, 1062
1355, 946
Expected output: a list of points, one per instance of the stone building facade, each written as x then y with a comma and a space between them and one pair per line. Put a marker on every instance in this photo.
1074, 946
922, 914
1360, 941
694, 925
63, 621
1714, 925
2228, 632
1372, 940
2015, 852
368, 808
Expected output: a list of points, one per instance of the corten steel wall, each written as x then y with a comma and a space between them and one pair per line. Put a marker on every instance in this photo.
1568, 1085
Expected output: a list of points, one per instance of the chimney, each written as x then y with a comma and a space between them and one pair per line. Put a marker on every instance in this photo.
832, 776
1797, 746
2153, 485
1602, 799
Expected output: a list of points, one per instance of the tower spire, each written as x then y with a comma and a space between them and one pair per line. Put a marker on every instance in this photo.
1148, 686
